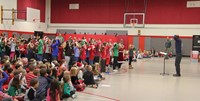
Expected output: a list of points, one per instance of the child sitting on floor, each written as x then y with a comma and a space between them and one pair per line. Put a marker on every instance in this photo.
10, 74
31, 92
67, 92
15, 90
89, 77
146, 54
80, 68
79, 86
140, 54
54, 91
67, 73
96, 72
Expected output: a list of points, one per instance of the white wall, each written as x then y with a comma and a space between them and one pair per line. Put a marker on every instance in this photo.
19, 25
153, 29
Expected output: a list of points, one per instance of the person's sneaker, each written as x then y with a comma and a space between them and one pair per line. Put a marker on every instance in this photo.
130, 67
115, 70
103, 78
177, 75
74, 96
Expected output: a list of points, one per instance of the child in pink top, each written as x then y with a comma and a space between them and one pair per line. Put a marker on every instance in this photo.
53, 93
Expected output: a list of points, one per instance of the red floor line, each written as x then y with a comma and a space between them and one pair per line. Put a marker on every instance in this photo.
100, 96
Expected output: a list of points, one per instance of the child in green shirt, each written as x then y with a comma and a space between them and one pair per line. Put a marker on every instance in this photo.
67, 92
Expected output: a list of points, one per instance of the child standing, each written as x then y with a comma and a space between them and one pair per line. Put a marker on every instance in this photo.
92, 53
103, 58
83, 53
130, 53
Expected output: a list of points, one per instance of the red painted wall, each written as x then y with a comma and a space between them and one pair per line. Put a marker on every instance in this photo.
130, 40
90, 11
37, 4
112, 11
141, 42
171, 12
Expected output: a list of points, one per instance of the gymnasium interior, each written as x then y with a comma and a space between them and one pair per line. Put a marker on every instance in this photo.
146, 24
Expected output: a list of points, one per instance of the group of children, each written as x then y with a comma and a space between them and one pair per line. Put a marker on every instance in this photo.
55, 70
73, 49
148, 54
40, 69
24, 80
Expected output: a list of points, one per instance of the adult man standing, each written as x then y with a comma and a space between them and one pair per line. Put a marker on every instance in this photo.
178, 46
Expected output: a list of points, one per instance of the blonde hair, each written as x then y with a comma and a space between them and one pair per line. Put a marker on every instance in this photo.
73, 71
96, 68
66, 73
66, 78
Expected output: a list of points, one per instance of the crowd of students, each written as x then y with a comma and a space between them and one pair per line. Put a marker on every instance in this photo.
38, 68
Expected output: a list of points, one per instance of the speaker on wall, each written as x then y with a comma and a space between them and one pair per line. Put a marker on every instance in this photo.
38, 33
196, 42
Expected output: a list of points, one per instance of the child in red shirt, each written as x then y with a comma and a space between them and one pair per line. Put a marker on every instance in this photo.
91, 53
103, 57
108, 47
22, 49
60, 53
83, 53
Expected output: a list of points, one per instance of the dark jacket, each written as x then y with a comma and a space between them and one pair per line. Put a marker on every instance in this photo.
178, 45
69, 50
88, 78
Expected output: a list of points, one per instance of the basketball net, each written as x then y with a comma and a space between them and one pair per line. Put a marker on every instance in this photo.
132, 24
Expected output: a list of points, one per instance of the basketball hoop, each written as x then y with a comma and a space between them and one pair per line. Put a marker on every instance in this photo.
37, 21
132, 24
